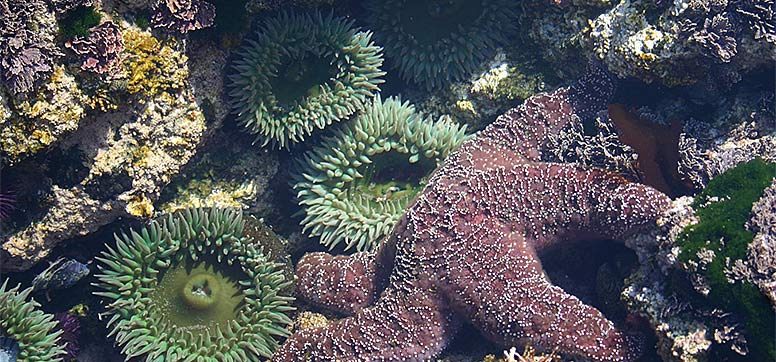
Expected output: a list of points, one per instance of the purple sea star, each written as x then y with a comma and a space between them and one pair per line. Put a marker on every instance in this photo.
466, 249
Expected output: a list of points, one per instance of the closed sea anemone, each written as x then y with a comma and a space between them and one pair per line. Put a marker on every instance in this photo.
302, 72
435, 42
33, 330
355, 185
192, 287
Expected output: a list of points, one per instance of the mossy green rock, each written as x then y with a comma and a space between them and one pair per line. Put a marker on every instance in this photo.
724, 207
78, 21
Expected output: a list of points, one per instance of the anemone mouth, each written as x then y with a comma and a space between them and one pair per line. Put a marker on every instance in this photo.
199, 296
355, 186
430, 21
302, 79
202, 291
191, 286
303, 72
392, 178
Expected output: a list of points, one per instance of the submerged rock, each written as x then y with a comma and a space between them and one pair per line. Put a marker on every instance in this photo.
129, 152
675, 43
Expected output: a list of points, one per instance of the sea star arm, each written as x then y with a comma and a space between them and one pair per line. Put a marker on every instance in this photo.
546, 317
343, 283
623, 208
587, 204
340, 283
549, 202
502, 216
401, 326
510, 300
525, 129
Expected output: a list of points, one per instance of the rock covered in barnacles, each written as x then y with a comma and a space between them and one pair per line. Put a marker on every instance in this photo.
183, 15
674, 43
764, 213
101, 50
507, 79
704, 244
61, 274
684, 333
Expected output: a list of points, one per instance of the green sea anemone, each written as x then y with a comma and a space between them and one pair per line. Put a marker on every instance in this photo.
435, 42
356, 184
302, 72
32, 329
192, 287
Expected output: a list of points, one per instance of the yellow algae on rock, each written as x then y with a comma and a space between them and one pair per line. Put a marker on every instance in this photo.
309, 320
140, 206
466, 106
153, 66
209, 193
29, 126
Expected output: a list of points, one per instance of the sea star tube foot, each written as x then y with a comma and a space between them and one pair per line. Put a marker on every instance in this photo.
468, 247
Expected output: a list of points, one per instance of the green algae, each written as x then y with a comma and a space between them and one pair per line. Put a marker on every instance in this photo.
724, 208
78, 21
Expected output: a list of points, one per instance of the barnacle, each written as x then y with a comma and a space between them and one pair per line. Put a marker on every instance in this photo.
32, 329
435, 42
192, 286
302, 72
356, 184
